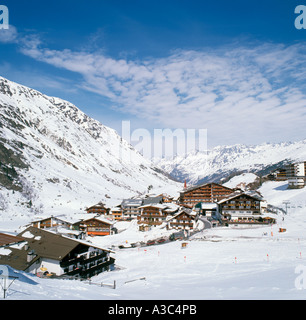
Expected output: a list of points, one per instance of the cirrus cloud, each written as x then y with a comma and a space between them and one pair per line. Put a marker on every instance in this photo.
240, 94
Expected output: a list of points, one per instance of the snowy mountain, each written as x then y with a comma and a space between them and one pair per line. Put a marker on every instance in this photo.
223, 161
54, 158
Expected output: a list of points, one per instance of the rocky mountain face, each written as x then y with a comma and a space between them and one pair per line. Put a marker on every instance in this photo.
54, 158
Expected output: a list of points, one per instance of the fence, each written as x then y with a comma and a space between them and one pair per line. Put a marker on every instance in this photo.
101, 284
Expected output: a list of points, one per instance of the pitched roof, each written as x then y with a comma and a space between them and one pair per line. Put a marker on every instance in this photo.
46, 244
131, 202
238, 194
47, 218
51, 245
6, 239
101, 219
188, 213
161, 206
99, 205
202, 185
158, 199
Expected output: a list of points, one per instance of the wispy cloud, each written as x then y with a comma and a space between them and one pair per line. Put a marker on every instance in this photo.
237, 93
9, 35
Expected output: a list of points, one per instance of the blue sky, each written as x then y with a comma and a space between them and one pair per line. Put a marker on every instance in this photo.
235, 68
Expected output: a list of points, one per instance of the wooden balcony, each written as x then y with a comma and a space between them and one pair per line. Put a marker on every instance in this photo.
91, 268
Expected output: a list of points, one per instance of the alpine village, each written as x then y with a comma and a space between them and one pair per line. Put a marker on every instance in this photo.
56, 247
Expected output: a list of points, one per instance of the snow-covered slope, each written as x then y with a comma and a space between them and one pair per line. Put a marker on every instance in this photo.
222, 161
251, 262
54, 158
241, 181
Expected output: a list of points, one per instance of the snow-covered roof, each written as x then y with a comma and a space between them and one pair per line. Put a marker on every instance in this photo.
192, 214
202, 185
131, 202
238, 193
102, 219
208, 205
161, 206
98, 205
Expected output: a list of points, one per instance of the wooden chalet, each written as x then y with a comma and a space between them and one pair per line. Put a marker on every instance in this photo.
209, 192
153, 214
98, 209
96, 226
183, 220
240, 207
48, 253
51, 222
59, 225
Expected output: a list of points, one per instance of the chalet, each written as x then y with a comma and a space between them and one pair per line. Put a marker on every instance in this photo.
116, 213
208, 192
130, 208
50, 253
183, 220
59, 225
98, 209
96, 226
153, 214
241, 207
51, 222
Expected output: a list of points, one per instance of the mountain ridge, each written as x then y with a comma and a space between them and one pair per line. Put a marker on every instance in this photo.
56, 158
221, 161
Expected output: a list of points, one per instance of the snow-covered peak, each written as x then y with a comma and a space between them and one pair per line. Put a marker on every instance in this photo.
59, 159
221, 161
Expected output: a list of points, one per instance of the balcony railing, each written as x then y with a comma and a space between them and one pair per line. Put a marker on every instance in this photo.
89, 271
82, 260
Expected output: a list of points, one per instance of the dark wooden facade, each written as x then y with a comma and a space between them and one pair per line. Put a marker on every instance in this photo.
50, 222
98, 209
48, 253
95, 227
182, 221
240, 207
209, 192
152, 215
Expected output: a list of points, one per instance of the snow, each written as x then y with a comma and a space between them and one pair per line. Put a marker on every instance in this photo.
251, 262
242, 178
5, 252
28, 234
73, 160
221, 161
73, 164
